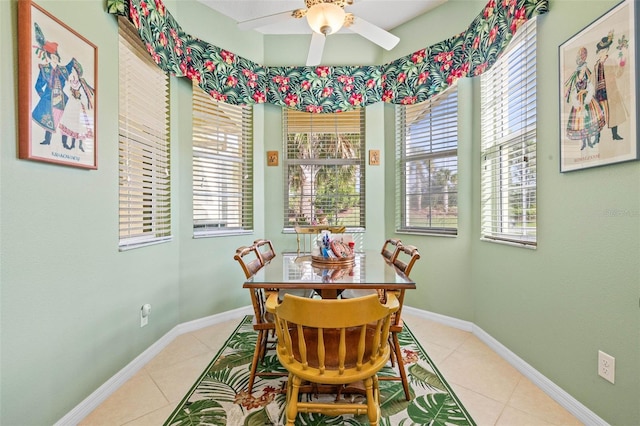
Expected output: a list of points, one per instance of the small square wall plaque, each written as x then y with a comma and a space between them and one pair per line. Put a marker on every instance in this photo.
374, 157
272, 158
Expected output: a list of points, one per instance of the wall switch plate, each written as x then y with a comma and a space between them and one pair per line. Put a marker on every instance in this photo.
606, 366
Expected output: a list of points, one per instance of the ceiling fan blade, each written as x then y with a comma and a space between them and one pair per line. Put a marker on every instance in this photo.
315, 49
374, 33
265, 20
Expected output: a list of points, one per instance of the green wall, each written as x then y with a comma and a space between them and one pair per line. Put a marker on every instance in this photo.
70, 300
579, 291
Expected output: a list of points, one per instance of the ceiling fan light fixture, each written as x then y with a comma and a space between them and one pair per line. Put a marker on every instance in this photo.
325, 18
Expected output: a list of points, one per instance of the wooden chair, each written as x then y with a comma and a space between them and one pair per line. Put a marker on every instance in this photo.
306, 235
389, 251
263, 322
265, 250
332, 342
404, 259
390, 248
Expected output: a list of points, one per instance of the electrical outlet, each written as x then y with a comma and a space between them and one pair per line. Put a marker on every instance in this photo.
606, 366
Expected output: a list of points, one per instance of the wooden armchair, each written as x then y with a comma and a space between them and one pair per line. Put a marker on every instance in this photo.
404, 259
249, 259
332, 342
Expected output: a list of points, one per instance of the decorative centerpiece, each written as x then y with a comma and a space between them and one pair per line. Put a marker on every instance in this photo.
330, 250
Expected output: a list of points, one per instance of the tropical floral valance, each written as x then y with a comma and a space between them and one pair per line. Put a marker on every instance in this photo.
327, 89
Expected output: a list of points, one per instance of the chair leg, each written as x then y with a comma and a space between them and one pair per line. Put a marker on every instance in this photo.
392, 355
254, 361
373, 406
403, 374
292, 399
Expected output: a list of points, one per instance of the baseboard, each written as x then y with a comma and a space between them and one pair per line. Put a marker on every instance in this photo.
572, 405
555, 392
440, 319
90, 403
82, 410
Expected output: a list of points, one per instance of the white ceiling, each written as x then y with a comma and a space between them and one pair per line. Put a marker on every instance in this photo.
386, 14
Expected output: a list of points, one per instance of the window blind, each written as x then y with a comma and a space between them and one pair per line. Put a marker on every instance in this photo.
508, 143
427, 172
324, 169
143, 145
222, 166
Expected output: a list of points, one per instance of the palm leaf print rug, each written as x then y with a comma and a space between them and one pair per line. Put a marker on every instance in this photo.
219, 396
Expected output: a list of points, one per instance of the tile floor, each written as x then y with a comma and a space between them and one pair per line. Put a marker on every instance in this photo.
492, 390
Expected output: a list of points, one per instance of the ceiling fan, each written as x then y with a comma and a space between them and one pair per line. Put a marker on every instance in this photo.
327, 17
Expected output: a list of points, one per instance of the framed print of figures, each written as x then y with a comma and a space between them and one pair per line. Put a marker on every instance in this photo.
598, 92
56, 90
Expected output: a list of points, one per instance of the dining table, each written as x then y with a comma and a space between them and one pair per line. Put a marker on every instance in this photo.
365, 272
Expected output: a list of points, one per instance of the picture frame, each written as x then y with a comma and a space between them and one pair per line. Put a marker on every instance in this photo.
598, 92
57, 91
374, 157
272, 158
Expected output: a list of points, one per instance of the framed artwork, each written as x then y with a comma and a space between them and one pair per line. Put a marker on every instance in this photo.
599, 92
374, 157
56, 90
272, 158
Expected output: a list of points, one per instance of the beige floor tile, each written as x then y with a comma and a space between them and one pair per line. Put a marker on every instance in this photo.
433, 332
513, 417
175, 380
483, 410
215, 335
436, 352
136, 398
154, 418
183, 347
481, 371
532, 400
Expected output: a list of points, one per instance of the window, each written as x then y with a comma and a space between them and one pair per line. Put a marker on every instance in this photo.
427, 172
222, 166
143, 144
324, 169
508, 146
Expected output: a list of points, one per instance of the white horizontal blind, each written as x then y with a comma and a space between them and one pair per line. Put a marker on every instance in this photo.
508, 122
427, 172
222, 166
324, 169
143, 144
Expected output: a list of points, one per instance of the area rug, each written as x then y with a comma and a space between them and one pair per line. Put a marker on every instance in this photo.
219, 396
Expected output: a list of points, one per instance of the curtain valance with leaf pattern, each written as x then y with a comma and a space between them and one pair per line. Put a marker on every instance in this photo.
327, 89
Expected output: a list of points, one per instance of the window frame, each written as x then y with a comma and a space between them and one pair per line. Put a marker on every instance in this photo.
327, 124
222, 154
144, 170
508, 150
431, 144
